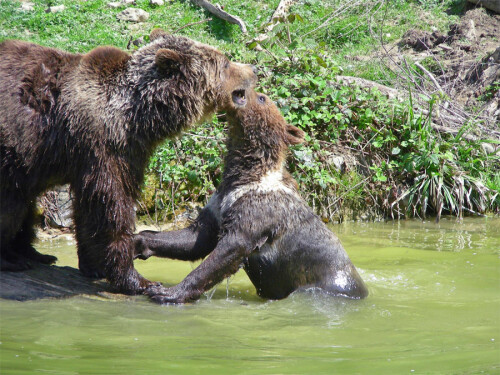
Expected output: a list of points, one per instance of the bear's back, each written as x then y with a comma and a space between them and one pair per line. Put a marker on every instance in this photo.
19, 60
30, 78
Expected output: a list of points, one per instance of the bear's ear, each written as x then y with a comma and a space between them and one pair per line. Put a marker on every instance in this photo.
169, 60
294, 135
157, 33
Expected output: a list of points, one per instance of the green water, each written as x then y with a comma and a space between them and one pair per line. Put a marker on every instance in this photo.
434, 308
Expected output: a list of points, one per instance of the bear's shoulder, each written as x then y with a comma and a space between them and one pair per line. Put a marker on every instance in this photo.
105, 61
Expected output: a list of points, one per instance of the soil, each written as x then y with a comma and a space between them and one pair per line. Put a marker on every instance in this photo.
465, 62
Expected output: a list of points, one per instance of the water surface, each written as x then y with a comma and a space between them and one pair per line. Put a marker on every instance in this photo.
433, 308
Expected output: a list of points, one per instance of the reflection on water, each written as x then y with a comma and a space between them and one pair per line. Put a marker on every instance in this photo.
433, 308
448, 235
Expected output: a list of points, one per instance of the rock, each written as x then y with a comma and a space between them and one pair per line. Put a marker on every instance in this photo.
134, 26
156, 2
49, 282
57, 207
28, 7
305, 156
133, 15
121, 3
465, 29
493, 5
55, 9
115, 5
337, 162
488, 148
470, 30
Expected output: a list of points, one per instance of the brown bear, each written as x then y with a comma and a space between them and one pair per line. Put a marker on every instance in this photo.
256, 219
93, 120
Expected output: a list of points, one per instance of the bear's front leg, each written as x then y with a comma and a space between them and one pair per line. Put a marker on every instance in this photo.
224, 261
191, 243
119, 267
104, 223
173, 295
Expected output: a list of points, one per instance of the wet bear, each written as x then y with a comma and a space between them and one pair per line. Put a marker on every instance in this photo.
256, 219
93, 120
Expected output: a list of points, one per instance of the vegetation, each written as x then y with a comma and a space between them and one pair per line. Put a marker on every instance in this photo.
366, 156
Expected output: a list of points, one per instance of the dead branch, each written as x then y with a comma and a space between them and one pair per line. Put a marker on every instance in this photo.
392, 93
429, 74
389, 92
216, 10
279, 12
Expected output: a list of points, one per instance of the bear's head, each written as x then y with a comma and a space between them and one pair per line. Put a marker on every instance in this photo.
259, 124
176, 76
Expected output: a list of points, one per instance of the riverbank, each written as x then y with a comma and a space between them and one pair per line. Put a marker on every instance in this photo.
399, 101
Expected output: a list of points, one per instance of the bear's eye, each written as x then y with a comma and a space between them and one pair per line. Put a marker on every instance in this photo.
226, 65
262, 99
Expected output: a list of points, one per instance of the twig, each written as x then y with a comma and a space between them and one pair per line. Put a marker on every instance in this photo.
429, 74
348, 191
335, 13
473, 212
143, 206
191, 24
200, 136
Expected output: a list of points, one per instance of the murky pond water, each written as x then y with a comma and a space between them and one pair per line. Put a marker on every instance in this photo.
434, 308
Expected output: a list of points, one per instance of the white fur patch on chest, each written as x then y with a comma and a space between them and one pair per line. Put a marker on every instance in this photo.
271, 182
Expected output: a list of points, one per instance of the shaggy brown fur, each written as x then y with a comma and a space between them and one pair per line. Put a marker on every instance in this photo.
93, 121
256, 218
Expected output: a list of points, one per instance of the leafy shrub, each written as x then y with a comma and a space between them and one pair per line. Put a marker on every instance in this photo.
398, 164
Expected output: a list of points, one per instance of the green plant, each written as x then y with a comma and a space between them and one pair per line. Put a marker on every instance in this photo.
490, 91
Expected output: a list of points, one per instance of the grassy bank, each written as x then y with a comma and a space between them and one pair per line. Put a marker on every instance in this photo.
367, 156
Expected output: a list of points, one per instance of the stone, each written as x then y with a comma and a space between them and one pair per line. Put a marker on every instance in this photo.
493, 5
115, 5
46, 281
133, 15
338, 162
28, 7
56, 9
470, 30
488, 148
156, 2
57, 206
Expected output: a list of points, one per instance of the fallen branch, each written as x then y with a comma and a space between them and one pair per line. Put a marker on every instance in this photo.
392, 93
280, 11
216, 10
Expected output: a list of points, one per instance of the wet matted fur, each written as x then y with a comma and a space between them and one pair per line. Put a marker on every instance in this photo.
256, 219
93, 120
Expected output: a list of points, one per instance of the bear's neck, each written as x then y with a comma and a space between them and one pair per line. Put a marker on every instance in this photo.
247, 163
159, 108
